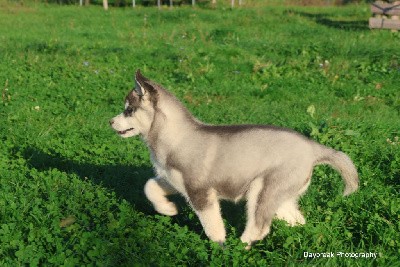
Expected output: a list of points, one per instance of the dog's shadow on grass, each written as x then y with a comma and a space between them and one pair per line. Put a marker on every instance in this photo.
128, 182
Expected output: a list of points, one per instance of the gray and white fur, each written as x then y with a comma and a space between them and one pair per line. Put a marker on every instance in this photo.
269, 166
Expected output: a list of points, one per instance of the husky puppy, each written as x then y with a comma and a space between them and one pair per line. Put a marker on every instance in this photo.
269, 166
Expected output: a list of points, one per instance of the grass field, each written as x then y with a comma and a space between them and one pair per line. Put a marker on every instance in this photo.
71, 190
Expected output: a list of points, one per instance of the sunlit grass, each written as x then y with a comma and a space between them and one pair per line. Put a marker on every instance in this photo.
71, 191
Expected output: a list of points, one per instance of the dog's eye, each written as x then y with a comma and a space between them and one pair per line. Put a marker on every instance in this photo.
128, 111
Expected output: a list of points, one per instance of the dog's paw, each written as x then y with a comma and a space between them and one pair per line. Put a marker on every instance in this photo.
167, 208
291, 215
247, 240
300, 219
248, 244
293, 220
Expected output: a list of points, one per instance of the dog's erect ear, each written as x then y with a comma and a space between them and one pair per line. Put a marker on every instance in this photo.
142, 85
139, 81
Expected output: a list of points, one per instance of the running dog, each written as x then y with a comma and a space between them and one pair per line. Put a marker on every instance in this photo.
269, 166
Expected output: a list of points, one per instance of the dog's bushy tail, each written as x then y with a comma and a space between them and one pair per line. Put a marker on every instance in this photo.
343, 164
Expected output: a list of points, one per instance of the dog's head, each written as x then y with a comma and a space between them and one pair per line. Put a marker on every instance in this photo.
139, 109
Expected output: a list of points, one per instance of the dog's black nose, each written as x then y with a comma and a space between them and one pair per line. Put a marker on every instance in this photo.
111, 122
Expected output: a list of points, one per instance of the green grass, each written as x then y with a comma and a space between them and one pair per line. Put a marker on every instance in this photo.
71, 190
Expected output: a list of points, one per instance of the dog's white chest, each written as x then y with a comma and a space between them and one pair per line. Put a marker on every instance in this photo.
172, 176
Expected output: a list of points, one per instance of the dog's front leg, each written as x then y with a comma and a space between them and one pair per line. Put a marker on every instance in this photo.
156, 190
206, 205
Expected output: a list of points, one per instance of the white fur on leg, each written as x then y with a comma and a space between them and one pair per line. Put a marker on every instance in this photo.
156, 191
211, 220
251, 232
290, 212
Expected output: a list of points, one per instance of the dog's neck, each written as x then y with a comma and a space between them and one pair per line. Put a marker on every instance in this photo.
171, 123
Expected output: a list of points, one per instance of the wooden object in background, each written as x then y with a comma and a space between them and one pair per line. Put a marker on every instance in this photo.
386, 15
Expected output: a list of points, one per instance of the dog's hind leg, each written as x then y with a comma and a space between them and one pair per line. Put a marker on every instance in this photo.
258, 225
251, 229
265, 196
289, 210
156, 190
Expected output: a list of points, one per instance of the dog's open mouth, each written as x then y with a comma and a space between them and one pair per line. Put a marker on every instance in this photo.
125, 131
